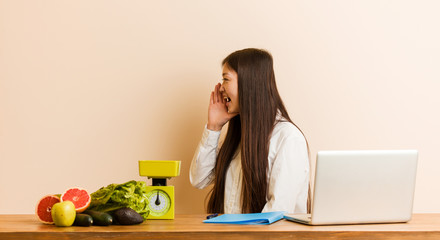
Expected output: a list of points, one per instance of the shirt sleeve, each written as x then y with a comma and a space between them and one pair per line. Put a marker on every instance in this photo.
203, 162
289, 176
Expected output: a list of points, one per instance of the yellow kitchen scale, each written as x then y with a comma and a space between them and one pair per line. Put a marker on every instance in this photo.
160, 197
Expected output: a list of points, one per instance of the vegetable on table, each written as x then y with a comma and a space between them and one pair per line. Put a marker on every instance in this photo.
100, 218
131, 194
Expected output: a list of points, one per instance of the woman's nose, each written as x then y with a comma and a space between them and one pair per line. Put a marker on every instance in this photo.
221, 89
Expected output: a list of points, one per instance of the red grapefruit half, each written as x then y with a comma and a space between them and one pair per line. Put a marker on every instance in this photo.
79, 196
44, 208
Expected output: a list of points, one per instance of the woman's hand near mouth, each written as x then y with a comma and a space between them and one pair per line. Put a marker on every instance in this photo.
218, 114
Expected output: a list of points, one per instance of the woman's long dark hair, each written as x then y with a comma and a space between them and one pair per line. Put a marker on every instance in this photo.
259, 103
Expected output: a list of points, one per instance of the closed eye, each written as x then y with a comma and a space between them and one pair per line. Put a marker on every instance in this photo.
225, 80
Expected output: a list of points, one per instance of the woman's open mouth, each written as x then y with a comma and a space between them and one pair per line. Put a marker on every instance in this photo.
227, 99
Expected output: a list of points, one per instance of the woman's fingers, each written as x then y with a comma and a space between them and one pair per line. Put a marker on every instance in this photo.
217, 93
220, 96
218, 114
217, 96
211, 98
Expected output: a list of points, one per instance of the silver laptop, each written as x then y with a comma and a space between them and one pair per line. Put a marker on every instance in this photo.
353, 187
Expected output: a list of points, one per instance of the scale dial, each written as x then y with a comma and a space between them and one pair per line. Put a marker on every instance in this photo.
159, 202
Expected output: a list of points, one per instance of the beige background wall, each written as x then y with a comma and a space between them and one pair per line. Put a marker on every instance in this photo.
87, 88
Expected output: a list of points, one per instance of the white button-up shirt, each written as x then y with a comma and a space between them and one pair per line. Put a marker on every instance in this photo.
288, 170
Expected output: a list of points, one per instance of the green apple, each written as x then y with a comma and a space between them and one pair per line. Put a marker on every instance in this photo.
63, 213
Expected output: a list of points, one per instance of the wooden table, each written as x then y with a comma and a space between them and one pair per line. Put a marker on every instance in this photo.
422, 226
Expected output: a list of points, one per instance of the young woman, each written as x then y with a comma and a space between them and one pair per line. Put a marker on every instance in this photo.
263, 162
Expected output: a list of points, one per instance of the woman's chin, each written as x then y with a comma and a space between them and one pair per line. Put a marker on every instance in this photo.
232, 111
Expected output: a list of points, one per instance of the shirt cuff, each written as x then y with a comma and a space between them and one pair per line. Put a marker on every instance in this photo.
210, 138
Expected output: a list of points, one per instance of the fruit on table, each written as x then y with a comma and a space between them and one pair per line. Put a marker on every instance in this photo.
44, 207
127, 216
63, 213
100, 218
79, 197
82, 219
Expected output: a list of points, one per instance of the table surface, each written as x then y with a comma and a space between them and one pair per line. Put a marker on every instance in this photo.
422, 226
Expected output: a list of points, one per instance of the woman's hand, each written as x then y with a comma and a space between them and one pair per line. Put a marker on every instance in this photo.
218, 114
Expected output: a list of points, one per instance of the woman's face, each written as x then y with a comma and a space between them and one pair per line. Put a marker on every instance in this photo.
229, 89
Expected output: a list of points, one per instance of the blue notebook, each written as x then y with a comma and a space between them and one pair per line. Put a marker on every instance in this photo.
247, 218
